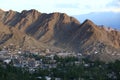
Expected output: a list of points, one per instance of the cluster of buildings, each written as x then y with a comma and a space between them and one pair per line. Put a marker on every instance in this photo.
32, 60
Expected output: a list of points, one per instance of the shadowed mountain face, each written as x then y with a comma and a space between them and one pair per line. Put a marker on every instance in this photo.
58, 30
43, 27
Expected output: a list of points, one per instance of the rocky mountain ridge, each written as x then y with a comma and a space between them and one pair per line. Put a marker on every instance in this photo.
58, 30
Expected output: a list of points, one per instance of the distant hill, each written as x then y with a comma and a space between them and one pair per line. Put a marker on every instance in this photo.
109, 19
32, 29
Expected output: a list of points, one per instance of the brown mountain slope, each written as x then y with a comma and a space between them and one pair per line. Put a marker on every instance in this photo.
5, 33
13, 36
32, 28
43, 27
98, 42
89, 32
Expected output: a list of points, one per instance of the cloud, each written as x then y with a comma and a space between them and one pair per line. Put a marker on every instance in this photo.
66, 6
113, 6
71, 7
114, 3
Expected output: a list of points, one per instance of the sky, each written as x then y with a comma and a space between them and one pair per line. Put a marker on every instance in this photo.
70, 7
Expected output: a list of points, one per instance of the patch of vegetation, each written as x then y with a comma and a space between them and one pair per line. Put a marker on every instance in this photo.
66, 70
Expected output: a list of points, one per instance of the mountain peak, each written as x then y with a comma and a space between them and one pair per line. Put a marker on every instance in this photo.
87, 21
88, 24
11, 12
32, 11
1, 10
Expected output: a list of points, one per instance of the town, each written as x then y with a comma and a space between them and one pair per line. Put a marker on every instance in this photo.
50, 64
32, 58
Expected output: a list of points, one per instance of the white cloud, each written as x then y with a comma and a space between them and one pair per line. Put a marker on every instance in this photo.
71, 7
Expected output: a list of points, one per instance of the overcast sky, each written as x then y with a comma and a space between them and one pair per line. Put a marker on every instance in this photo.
71, 7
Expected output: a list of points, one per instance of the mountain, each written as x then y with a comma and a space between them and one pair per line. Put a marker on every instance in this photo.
50, 29
110, 19
97, 42
58, 31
